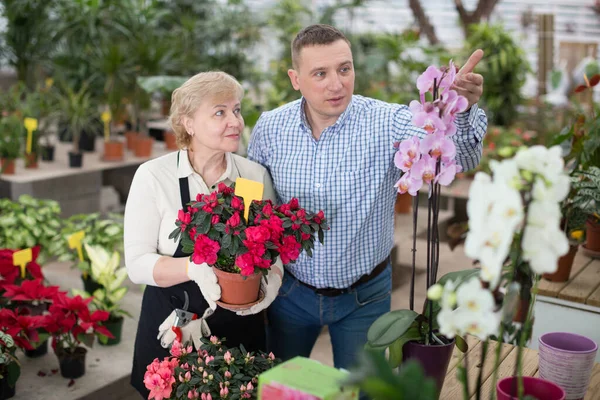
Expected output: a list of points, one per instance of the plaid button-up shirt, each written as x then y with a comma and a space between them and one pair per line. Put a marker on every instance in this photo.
348, 173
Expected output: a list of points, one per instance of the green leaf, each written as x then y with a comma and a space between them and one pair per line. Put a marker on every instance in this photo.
13, 373
321, 236
86, 338
461, 344
390, 327
395, 358
226, 242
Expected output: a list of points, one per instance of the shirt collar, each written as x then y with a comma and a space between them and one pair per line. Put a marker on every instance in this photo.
340, 121
184, 169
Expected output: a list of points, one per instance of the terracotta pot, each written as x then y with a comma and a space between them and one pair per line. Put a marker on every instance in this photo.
131, 138
166, 107
143, 147
434, 359
592, 236
403, 203
536, 387
7, 166
522, 310
238, 289
170, 140
31, 160
565, 263
113, 151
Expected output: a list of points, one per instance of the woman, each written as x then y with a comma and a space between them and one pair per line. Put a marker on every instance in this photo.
207, 121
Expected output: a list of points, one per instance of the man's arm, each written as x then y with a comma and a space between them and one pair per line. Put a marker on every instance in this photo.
256, 148
471, 127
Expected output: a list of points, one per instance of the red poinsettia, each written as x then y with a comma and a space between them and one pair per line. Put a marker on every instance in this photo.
21, 326
213, 231
9, 273
70, 322
30, 291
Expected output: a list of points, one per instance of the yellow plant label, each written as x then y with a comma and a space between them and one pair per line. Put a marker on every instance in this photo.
31, 125
21, 258
248, 190
75, 243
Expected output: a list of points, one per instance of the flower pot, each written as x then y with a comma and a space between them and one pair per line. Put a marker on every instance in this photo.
143, 147
47, 153
31, 160
236, 288
39, 351
567, 359
7, 166
522, 310
536, 387
90, 285
170, 140
403, 203
72, 365
113, 151
433, 359
6, 392
166, 106
130, 139
565, 263
75, 160
87, 142
115, 326
592, 236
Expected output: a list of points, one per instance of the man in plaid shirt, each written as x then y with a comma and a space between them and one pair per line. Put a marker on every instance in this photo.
334, 151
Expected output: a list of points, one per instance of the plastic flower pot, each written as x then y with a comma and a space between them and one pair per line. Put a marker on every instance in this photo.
115, 326
6, 391
536, 387
39, 351
90, 285
72, 365
47, 153
237, 289
434, 359
75, 160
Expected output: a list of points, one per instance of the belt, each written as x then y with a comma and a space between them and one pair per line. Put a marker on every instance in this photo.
332, 292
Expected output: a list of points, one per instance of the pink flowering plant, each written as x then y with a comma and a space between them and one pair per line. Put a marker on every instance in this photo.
213, 231
214, 372
429, 160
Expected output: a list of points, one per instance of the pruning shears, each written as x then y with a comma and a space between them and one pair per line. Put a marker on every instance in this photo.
183, 317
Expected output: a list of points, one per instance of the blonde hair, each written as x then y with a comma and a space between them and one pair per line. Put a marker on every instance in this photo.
185, 100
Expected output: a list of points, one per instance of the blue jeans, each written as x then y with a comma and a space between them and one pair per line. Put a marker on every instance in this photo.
298, 314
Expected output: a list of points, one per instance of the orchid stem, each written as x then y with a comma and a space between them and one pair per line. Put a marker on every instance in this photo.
414, 251
481, 365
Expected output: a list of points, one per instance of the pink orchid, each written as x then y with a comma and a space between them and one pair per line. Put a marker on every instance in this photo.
453, 103
437, 145
408, 183
408, 153
448, 77
426, 79
424, 169
447, 173
426, 116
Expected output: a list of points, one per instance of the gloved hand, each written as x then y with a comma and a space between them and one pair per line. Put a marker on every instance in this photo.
193, 331
271, 289
206, 280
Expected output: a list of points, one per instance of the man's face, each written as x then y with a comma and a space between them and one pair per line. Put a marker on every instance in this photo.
325, 77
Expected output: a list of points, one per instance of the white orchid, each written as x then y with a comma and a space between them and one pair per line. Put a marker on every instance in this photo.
543, 246
506, 173
473, 297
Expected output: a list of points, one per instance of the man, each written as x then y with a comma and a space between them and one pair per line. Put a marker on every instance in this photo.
334, 151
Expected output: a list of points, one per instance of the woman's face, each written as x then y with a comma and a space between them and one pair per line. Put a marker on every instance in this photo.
217, 125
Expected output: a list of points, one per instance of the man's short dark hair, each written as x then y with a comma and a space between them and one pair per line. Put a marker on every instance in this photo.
315, 35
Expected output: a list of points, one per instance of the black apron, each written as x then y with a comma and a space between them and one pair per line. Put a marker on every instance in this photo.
158, 303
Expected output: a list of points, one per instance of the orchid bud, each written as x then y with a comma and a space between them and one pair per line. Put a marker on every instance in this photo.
435, 292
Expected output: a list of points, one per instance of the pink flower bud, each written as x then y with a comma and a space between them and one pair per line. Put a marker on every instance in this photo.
243, 388
227, 374
249, 387
272, 356
192, 394
188, 376
214, 340
205, 374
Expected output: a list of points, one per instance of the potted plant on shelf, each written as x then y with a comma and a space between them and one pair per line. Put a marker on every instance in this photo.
10, 369
211, 373
78, 113
11, 135
213, 231
34, 296
515, 235
430, 160
71, 324
106, 271
104, 232
30, 222
587, 202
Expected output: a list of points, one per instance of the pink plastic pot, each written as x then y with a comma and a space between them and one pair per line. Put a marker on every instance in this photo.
536, 387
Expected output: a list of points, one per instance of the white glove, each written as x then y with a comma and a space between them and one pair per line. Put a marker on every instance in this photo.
193, 331
271, 289
206, 280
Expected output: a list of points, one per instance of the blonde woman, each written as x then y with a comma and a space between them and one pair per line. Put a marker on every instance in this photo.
207, 121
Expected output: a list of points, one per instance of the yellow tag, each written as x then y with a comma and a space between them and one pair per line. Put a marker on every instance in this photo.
49, 83
75, 243
21, 258
31, 125
248, 190
106, 119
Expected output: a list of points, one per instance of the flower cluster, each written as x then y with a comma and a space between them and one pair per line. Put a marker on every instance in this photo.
431, 159
514, 219
22, 326
71, 323
214, 372
213, 231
